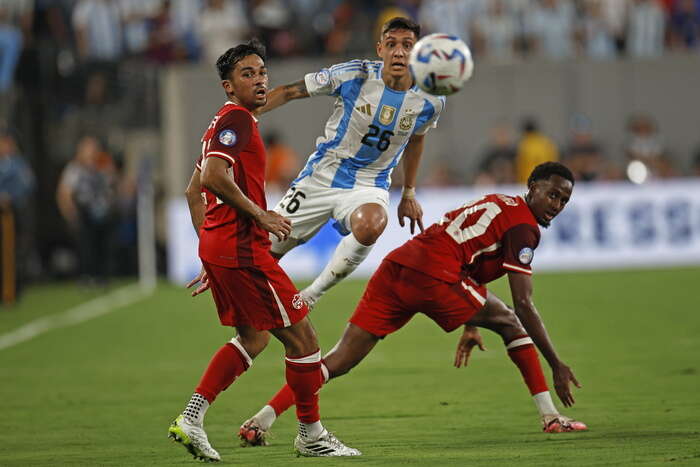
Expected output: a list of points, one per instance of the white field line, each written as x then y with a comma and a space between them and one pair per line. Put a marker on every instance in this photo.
86, 311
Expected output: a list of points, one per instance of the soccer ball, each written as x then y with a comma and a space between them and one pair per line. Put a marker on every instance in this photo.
441, 64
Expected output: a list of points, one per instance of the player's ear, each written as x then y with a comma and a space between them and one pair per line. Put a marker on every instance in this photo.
227, 84
379, 48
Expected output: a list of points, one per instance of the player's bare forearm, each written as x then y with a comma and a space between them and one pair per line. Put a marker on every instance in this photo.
283, 94
411, 160
521, 290
193, 194
215, 179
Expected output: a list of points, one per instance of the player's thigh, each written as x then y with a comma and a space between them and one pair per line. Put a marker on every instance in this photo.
308, 207
351, 199
385, 306
452, 305
498, 317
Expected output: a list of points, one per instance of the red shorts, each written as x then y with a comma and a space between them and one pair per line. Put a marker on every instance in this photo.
261, 297
395, 293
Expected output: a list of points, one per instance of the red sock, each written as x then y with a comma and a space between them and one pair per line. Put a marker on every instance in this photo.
523, 353
227, 364
284, 398
304, 379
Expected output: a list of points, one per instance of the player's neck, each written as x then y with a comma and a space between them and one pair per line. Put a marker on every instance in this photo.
234, 100
402, 83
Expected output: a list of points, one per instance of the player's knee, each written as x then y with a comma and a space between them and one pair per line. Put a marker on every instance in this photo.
254, 344
369, 224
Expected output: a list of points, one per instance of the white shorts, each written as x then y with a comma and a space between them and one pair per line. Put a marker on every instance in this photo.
309, 205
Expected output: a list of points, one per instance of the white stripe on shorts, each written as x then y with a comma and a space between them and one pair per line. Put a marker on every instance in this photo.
474, 293
283, 312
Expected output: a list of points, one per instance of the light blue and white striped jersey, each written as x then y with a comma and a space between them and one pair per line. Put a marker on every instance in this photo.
370, 125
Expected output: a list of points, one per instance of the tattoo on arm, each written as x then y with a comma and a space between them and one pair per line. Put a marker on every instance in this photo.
296, 90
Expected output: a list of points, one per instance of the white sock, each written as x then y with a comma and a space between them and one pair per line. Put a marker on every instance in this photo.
266, 417
311, 430
347, 256
196, 408
544, 403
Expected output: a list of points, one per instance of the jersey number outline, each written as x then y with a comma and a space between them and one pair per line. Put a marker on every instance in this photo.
293, 203
384, 141
460, 235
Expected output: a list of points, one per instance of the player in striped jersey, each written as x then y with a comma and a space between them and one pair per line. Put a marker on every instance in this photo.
379, 116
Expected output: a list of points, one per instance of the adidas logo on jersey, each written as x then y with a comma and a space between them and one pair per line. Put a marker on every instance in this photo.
365, 109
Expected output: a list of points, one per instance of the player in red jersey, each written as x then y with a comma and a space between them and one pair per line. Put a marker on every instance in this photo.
252, 293
442, 273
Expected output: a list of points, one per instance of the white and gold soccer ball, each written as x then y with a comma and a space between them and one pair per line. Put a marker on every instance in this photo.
441, 64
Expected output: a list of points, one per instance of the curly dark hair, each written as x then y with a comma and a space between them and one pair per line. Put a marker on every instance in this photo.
547, 169
227, 61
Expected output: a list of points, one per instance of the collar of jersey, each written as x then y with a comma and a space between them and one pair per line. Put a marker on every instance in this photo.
251, 113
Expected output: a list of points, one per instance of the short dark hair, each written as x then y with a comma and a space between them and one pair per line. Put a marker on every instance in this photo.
399, 22
226, 63
547, 169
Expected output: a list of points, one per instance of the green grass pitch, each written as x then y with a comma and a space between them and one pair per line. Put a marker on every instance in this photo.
103, 392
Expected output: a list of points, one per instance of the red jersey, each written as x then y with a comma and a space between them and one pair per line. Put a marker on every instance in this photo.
228, 238
482, 240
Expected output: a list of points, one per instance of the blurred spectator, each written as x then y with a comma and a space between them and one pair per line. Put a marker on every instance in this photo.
584, 155
645, 151
98, 32
495, 31
598, 36
497, 165
136, 15
549, 24
272, 19
184, 20
645, 29
448, 16
222, 24
534, 148
685, 25
440, 174
17, 183
15, 22
86, 197
282, 162
164, 45
615, 14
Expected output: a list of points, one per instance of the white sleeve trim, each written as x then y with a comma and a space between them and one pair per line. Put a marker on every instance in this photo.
517, 268
226, 156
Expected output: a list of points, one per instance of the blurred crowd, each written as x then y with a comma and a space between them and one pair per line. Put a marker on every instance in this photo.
80, 86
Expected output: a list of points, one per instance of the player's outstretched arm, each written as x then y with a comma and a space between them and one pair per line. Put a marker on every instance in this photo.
521, 290
215, 179
283, 94
409, 205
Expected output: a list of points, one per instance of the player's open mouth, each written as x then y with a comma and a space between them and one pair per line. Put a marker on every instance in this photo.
261, 92
548, 216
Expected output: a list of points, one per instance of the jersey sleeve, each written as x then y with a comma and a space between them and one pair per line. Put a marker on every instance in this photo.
430, 115
231, 135
327, 81
519, 244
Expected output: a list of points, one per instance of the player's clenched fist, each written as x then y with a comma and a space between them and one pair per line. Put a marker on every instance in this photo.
274, 223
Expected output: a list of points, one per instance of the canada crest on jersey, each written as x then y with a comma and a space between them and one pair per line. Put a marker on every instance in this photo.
386, 115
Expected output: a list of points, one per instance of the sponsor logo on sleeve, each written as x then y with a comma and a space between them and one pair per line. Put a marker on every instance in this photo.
525, 255
322, 77
227, 137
